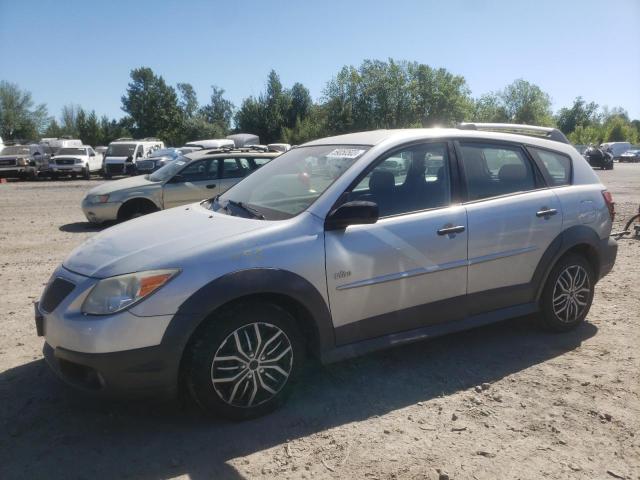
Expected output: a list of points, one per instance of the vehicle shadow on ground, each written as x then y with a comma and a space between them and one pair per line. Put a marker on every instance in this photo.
55, 432
83, 227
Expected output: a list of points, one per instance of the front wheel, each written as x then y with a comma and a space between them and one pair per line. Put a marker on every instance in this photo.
568, 293
86, 173
244, 360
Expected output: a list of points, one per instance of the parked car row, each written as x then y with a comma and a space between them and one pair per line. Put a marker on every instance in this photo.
57, 157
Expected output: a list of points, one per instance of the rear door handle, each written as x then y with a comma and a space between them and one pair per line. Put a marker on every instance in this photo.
546, 212
213, 185
448, 230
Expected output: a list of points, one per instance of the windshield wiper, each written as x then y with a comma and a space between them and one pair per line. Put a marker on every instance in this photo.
251, 211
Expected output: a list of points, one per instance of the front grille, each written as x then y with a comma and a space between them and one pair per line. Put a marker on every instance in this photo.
56, 292
65, 161
115, 167
10, 162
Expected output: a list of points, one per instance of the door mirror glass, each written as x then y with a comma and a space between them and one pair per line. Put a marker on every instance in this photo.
357, 212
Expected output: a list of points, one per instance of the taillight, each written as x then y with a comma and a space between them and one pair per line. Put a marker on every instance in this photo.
608, 199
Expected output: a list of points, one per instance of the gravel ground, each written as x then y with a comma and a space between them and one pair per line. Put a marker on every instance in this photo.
504, 401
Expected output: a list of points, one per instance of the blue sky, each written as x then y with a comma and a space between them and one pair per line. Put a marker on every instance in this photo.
81, 52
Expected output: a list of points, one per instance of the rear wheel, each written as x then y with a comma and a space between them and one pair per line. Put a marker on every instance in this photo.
568, 293
243, 362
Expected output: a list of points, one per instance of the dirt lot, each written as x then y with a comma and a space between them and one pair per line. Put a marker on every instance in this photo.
552, 406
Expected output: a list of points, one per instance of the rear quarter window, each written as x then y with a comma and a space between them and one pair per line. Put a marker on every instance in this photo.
557, 165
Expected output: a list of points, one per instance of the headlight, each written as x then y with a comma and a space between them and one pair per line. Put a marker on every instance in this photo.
115, 294
23, 162
98, 198
78, 160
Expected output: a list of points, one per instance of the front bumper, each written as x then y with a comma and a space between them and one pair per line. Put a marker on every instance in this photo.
121, 354
17, 170
76, 168
144, 372
101, 212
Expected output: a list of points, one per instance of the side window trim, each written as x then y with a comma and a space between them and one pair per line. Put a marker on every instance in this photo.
543, 170
539, 178
454, 178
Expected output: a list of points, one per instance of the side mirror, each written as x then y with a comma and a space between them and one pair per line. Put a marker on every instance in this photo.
92, 154
352, 213
177, 179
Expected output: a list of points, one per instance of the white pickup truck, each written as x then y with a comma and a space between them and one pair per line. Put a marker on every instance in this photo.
75, 161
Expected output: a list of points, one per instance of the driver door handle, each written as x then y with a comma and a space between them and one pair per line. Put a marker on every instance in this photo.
211, 185
449, 230
546, 212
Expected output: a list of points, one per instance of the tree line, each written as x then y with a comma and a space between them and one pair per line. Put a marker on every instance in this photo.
375, 94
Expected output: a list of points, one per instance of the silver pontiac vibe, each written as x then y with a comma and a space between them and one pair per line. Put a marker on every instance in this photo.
338, 247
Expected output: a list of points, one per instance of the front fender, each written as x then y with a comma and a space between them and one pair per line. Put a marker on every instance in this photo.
259, 281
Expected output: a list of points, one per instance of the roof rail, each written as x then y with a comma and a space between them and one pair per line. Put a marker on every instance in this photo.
151, 139
531, 130
122, 139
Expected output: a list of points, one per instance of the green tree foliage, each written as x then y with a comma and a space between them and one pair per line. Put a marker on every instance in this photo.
580, 113
218, 112
152, 106
188, 100
375, 94
394, 94
526, 103
489, 108
275, 112
582, 135
20, 118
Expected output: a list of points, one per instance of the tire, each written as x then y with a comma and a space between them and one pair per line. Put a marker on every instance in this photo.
572, 303
225, 344
86, 173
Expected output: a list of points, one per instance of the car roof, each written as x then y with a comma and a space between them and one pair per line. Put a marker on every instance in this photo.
398, 136
215, 153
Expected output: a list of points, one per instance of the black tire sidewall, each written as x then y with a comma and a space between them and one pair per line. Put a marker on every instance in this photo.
549, 317
210, 336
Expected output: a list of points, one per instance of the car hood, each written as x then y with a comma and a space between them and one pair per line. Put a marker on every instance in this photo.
123, 184
159, 240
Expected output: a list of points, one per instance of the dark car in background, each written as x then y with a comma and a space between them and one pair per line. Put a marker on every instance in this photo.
631, 156
598, 158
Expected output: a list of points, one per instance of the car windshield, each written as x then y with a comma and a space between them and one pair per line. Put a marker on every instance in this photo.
15, 150
72, 151
168, 171
165, 152
121, 150
290, 183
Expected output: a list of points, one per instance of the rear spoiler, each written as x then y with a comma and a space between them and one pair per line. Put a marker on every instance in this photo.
531, 130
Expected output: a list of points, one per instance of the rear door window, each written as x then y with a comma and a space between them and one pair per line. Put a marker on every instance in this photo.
494, 170
235, 167
556, 165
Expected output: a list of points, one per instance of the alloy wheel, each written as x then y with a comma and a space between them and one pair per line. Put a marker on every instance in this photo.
571, 294
252, 365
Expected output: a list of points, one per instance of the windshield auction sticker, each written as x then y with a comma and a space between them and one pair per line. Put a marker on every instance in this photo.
345, 153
